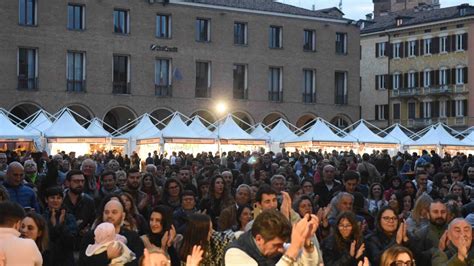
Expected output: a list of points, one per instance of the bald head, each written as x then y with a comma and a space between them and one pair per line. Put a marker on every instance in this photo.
113, 213
460, 232
15, 173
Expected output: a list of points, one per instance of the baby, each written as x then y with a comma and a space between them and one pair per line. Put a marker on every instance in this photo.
105, 234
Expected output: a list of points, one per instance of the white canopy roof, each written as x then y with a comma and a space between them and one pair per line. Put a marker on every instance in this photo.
198, 127
397, 135
436, 135
145, 129
363, 134
96, 128
469, 139
260, 133
39, 124
319, 132
281, 132
176, 128
66, 127
230, 130
9, 131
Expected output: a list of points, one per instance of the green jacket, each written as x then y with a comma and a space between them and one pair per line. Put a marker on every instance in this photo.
449, 257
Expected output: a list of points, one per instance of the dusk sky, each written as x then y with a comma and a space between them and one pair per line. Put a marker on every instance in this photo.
354, 9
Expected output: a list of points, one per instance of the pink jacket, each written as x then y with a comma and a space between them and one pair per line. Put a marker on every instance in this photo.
18, 251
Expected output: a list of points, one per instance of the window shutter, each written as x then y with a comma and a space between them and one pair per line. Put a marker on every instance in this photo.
464, 41
388, 50
435, 45
435, 109
453, 76
436, 77
448, 108
432, 78
422, 78
464, 111
405, 80
448, 43
386, 78
406, 49
376, 50
385, 112
448, 77
421, 46
453, 108
376, 112
453, 43
402, 50
464, 74
417, 49
422, 114
416, 81
376, 82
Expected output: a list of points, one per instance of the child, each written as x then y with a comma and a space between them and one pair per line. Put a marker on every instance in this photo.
104, 235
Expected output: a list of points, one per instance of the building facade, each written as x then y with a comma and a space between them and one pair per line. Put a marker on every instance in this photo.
426, 67
118, 59
383, 7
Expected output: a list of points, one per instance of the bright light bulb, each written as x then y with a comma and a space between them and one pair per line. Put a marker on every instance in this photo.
221, 107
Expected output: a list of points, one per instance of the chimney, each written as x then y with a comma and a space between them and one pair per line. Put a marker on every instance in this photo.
314, 7
368, 16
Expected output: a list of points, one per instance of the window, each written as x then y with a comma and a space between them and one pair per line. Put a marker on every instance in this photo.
442, 108
240, 33
309, 86
460, 42
121, 21
399, 21
163, 26
240, 82
396, 111
396, 81
381, 112
341, 43
341, 87
203, 80
76, 76
163, 77
27, 12
309, 40
380, 49
427, 46
459, 108
276, 37
380, 82
27, 69
443, 76
121, 82
442, 44
411, 110
203, 30
396, 50
412, 48
411, 79
426, 109
426, 78
75, 17
275, 86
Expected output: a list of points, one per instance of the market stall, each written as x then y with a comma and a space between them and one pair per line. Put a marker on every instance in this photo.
14, 138
368, 141
231, 137
143, 138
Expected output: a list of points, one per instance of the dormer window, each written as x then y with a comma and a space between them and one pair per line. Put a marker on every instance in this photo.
462, 11
399, 21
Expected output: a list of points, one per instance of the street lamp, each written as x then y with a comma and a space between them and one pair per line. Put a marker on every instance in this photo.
221, 107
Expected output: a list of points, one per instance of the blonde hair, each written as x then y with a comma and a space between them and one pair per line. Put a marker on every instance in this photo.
390, 255
422, 203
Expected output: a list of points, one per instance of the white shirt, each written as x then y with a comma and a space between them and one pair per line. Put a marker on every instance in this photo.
19, 251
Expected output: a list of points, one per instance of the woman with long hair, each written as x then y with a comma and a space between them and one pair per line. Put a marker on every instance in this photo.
457, 188
162, 233
406, 203
172, 193
397, 255
34, 227
345, 245
376, 199
135, 222
219, 199
199, 232
441, 183
153, 193
390, 230
244, 216
419, 217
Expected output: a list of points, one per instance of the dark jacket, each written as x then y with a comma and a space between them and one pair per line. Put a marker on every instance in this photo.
332, 255
325, 195
83, 211
134, 243
61, 240
378, 242
23, 195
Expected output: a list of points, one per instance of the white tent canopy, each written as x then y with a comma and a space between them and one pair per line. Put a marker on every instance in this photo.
66, 127
469, 139
198, 127
176, 128
96, 129
230, 130
9, 131
144, 129
436, 135
39, 123
260, 133
319, 132
281, 132
364, 135
397, 135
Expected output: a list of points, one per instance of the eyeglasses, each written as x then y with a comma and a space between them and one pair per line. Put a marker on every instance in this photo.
390, 219
403, 263
345, 226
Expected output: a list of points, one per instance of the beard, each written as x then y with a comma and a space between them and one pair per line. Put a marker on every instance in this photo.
77, 190
438, 221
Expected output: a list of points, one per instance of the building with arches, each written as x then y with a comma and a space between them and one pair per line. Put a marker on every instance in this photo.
417, 67
116, 60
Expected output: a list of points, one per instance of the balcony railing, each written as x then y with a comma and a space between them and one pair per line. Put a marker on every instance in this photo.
460, 121
76, 85
423, 122
275, 96
309, 97
241, 94
121, 88
434, 90
202, 92
163, 90
27, 83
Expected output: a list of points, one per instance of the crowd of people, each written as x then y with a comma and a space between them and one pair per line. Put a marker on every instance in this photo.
237, 208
